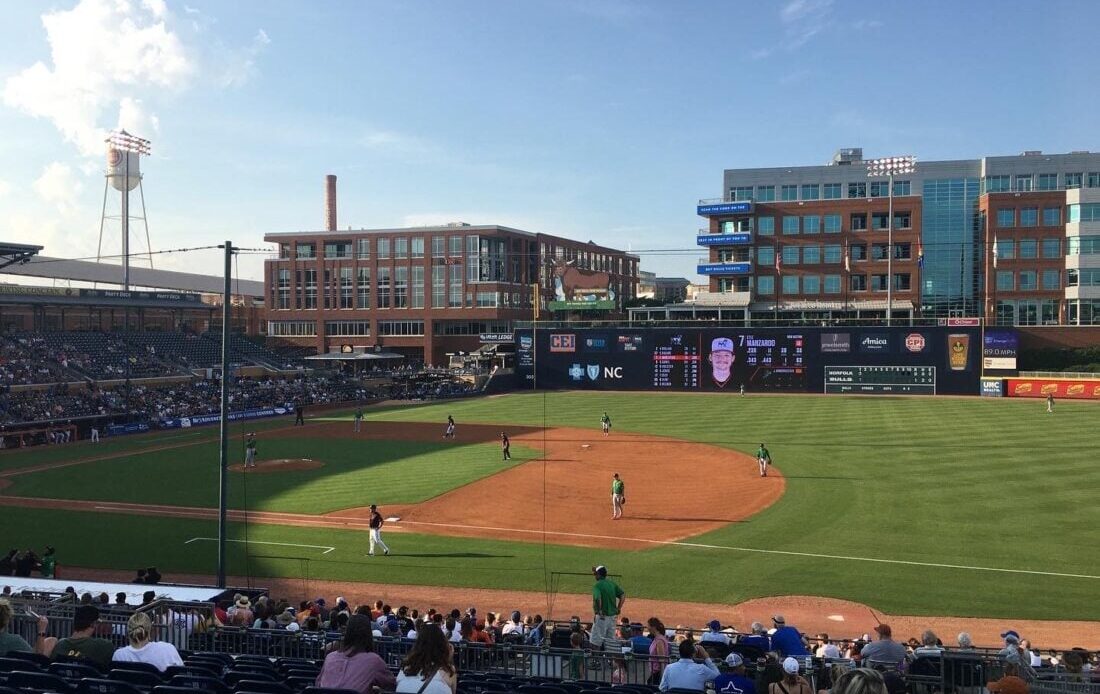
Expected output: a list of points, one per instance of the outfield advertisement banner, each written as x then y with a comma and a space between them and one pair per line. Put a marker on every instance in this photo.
928, 360
131, 428
187, 422
1059, 388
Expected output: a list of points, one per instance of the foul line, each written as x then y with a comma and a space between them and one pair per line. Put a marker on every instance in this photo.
700, 545
258, 542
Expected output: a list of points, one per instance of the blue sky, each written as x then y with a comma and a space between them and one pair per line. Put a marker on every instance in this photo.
594, 119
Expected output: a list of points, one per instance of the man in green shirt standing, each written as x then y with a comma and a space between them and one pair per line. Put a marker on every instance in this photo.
358, 419
49, 563
607, 603
764, 458
618, 497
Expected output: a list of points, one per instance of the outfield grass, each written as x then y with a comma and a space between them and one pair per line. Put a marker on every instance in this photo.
963, 482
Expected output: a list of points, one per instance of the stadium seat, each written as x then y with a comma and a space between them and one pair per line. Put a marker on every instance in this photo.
208, 684
225, 659
138, 678
245, 667
39, 681
138, 667
10, 664
262, 687
327, 690
169, 689
233, 677
73, 671
199, 670
300, 683
92, 685
40, 661
77, 660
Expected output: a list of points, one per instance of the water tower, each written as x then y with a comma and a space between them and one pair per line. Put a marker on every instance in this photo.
124, 152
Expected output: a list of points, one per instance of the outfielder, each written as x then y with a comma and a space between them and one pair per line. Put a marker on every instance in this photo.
376, 524
449, 432
618, 497
250, 451
605, 424
358, 419
505, 446
764, 458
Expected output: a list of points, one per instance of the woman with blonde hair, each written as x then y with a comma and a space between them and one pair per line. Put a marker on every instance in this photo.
860, 681
143, 649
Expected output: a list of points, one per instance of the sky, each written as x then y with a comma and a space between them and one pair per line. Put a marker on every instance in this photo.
602, 120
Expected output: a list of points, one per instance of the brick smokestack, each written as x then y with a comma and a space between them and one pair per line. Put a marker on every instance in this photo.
330, 202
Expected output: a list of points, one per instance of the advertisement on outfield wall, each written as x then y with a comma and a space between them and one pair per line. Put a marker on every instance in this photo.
1059, 388
993, 388
880, 360
199, 420
1000, 349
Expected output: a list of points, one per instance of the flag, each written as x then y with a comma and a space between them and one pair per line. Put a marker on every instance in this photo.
778, 258
994, 252
920, 255
847, 259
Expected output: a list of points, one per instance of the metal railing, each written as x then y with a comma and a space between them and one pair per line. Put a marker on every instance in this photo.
1063, 375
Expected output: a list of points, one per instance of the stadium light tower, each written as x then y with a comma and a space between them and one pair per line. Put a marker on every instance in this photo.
889, 167
124, 152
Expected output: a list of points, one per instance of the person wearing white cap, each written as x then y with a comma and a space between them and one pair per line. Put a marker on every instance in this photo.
607, 603
721, 360
792, 682
733, 680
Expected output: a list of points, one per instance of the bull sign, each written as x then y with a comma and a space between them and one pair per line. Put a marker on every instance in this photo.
579, 289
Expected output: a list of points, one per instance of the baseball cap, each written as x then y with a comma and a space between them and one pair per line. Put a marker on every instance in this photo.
373, 507
778, 619
735, 660
320, 601
1010, 635
714, 625
293, 626
720, 344
884, 629
600, 570
790, 666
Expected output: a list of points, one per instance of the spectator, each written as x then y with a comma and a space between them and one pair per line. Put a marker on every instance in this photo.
786, 640
242, 615
658, 650
49, 563
758, 638
1010, 683
353, 664
1036, 659
836, 671
826, 648
792, 682
639, 642
514, 629
82, 644
26, 564
885, 651
607, 602
965, 643
536, 633
930, 646
139, 630
480, 635
859, 681
576, 657
714, 634
692, 671
7, 564
14, 643
152, 576
733, 680
428, 669
1013, 653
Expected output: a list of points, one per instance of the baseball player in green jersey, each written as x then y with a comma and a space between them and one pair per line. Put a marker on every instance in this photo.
250, 451
358, 419
764, 458
605, 424
618, 497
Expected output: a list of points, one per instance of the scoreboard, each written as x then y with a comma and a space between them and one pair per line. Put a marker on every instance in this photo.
908, 380
727, 360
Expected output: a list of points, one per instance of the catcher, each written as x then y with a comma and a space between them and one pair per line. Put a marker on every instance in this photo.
618, 497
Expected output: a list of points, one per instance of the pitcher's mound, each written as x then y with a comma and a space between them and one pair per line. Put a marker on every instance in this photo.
279, 465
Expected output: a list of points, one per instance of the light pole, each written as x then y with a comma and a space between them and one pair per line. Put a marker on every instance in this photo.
889, 166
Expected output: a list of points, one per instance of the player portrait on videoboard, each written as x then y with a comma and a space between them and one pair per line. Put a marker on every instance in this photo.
721, 360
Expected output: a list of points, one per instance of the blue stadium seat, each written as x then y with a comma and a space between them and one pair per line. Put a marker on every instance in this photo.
233, 677
40, 661
92, 685
138, 678
327, 690
39, 681
73, 671
138, 667
206, 684
261, 687
10, 664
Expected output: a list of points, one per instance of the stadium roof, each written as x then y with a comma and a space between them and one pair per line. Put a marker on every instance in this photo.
11, 253
105, 273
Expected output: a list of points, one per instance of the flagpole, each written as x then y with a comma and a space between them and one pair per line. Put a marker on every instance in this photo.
778, 282
847, 280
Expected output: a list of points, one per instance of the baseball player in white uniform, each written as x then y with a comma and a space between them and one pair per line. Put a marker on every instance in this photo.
376, 524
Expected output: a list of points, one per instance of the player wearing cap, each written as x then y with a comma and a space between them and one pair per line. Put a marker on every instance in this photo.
376, 524
605, 424
764, 458
733, 680
250, 451
721, 360
618, 497
505, 446
607, 602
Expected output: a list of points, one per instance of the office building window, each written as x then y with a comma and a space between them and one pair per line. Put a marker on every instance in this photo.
790, 284
790, 255
765, 193
311, 289
1073, 180
284, 251
997, 184
765, 284
487, 299
1052, 216
857, 222
384, 246
857, 283
1006, 249
831, 191
454, 281
741, 193
1048, 181
454, 246
304, 250
362, 287
1006, 281
878, 251
1094, 179
401, 328
765, 256
878, 220
384, 298
401, 287
1006, 218
1029, 216
878, 283
811, 191
903, 251
336, 250
418, 246
292, 328
418, 286
832, 284
283, 288
1052, 279
347, 328
858, 252
1029, 248
1052, 247
902, 282
811, 284
902, 220
1083, 245
1023, 183
788, 192
903, 187
880, 189
857, 189
439, 286
347, 289
1087, 212
790, 225
811, 224
401, 248
811, 255
832, 224
1027, 281
765, 226
437, 246
833, 254
362, 248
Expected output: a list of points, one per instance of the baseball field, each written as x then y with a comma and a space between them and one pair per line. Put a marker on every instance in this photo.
918, 506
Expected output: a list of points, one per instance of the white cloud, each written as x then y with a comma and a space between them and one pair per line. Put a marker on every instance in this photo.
797, 10
100, 53
864, 24
393, 142
58, 186
5, 188
133, 117
240, 64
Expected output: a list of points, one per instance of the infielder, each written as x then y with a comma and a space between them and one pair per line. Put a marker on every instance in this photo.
358, 419
618, 497
449, 432
505, 446
605, 424
376, 524
250, 451
764, 458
